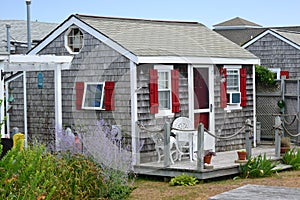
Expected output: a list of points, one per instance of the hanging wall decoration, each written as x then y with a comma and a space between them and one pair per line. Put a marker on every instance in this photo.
40, 80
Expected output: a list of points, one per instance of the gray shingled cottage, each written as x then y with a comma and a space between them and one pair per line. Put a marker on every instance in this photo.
146, 71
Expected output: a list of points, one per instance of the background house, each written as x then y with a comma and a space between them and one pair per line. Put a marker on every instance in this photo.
146, 71
18, 34
278, 50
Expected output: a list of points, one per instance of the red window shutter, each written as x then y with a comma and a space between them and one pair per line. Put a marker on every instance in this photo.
243, 86
284, 73
153, 91
175, 91
79, 94
109, 100
223, 88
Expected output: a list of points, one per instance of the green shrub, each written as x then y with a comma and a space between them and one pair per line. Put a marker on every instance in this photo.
257, 167
292, 157
34, 173
264, 77
183, 180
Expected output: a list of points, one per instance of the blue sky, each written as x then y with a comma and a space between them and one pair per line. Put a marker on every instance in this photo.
208, 12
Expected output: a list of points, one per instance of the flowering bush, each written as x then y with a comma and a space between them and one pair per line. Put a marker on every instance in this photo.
105, 145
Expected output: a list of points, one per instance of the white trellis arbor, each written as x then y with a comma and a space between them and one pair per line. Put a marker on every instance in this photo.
25, 63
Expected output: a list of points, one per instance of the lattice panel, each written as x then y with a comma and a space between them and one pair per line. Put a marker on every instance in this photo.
265, 108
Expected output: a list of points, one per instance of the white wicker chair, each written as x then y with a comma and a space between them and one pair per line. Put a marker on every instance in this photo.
184, 139
159, 147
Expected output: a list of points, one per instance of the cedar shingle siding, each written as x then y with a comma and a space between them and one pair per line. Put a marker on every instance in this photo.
95, 63
228, 123
275, 53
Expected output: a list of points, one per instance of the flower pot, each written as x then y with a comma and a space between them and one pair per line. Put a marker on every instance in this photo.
242, 155
207, 159
283, 150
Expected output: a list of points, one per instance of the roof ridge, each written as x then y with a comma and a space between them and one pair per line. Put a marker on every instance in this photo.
139, 19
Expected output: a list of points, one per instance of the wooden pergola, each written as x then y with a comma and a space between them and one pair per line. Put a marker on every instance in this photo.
24, 63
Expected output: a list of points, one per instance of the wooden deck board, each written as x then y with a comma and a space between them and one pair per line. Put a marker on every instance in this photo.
259, 192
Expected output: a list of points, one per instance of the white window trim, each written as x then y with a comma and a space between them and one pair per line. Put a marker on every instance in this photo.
166, 112
234, 106
102, 96
66, 40
276, 71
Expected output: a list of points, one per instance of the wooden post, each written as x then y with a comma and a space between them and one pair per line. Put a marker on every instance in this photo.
200, 147
298, 109
248, 139
167, 144
277, 136
136, 145
283, 84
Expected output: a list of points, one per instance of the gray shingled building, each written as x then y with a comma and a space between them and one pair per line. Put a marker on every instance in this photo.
130, 71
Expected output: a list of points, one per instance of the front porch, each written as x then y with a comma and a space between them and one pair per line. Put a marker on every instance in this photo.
223, 165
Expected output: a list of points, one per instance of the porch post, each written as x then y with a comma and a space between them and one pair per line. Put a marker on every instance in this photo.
277, 136
200, 147
58, 102
134, 117
167, 144
25, 109
2, 98
248, 139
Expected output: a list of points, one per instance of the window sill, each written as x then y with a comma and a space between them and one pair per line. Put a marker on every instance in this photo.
231, 107
164, 113
92, 108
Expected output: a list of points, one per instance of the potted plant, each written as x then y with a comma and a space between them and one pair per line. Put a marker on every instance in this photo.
242, 154
208, 154
285, 144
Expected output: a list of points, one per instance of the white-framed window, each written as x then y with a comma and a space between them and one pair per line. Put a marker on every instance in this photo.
93, 95
276, 72
74, 40
233, 87
164, 90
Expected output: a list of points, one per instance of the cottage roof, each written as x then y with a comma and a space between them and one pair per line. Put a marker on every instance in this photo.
241, 36
237, 23
293, 36
18, 31
290, 37
165, 38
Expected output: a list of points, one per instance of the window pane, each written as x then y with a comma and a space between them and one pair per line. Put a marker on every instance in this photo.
163, 80
75, 39
164, 100
233, 80
93, 95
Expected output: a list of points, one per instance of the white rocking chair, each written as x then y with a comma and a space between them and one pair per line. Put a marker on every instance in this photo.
159, 147
184, 139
